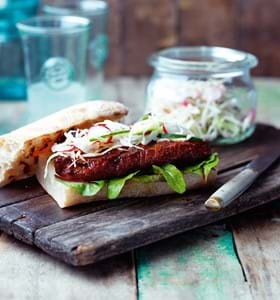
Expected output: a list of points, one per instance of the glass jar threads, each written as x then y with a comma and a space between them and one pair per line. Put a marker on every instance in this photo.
208, 90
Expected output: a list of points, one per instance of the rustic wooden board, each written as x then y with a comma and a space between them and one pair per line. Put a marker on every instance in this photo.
88, 233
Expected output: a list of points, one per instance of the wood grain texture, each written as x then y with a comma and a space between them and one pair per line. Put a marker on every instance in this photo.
20, 191
88, 233
115, 63
27, 273
256, 27
207, 22
24, 218
264, 136
255, 236
149, 25
200, 264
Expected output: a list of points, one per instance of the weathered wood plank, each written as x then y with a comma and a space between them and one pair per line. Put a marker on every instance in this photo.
20, 191
114, 66
264, 136
207, 22
257, 243
201, 264
27, 273
256, 28
149, 25
24, 218
112, 231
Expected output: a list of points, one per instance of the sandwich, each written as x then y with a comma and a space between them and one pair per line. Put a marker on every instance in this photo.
97, 157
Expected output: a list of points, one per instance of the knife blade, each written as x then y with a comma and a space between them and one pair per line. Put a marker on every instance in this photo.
236, 186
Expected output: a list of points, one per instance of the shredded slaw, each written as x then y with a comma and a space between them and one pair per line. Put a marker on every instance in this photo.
105, 136
204, 108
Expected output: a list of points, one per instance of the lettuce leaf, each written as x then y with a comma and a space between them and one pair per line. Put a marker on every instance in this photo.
116, 185
204, 168
173, 176
145, 178
85, 189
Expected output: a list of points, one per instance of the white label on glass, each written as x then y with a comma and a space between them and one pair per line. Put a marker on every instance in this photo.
57, 73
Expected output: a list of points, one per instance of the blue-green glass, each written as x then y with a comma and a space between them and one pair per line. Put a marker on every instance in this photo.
12, 79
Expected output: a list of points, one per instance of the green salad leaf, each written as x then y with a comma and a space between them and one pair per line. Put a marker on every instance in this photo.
106, 136
173, 176
172, 136
85, 189
145, 178
204, 168
195, 139
116, 185
145, 117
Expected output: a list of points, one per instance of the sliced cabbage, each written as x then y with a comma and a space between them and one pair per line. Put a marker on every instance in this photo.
108, 135
103, 130
207, 109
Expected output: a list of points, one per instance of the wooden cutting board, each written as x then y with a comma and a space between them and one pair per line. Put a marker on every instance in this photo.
88, 233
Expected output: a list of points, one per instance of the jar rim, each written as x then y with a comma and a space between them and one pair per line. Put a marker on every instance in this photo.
202, 59
84, 7
54, 25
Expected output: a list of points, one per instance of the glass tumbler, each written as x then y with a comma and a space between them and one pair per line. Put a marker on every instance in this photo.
97, 12
55, 62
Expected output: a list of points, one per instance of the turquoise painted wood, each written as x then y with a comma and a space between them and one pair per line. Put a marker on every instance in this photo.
201, 264
257, 241
268, 92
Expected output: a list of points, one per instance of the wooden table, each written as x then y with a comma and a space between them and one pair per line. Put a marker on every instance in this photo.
236, 259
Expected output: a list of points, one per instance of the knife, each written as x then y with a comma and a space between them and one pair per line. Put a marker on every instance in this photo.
236, 186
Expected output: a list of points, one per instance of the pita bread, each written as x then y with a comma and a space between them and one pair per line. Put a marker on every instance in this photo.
20, 149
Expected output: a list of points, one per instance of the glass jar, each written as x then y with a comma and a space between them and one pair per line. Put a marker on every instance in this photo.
208, 90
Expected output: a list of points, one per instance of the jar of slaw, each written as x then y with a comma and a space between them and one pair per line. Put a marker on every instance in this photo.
208, 90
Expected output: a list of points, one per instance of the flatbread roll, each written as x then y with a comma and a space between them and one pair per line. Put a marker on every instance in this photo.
20, 149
